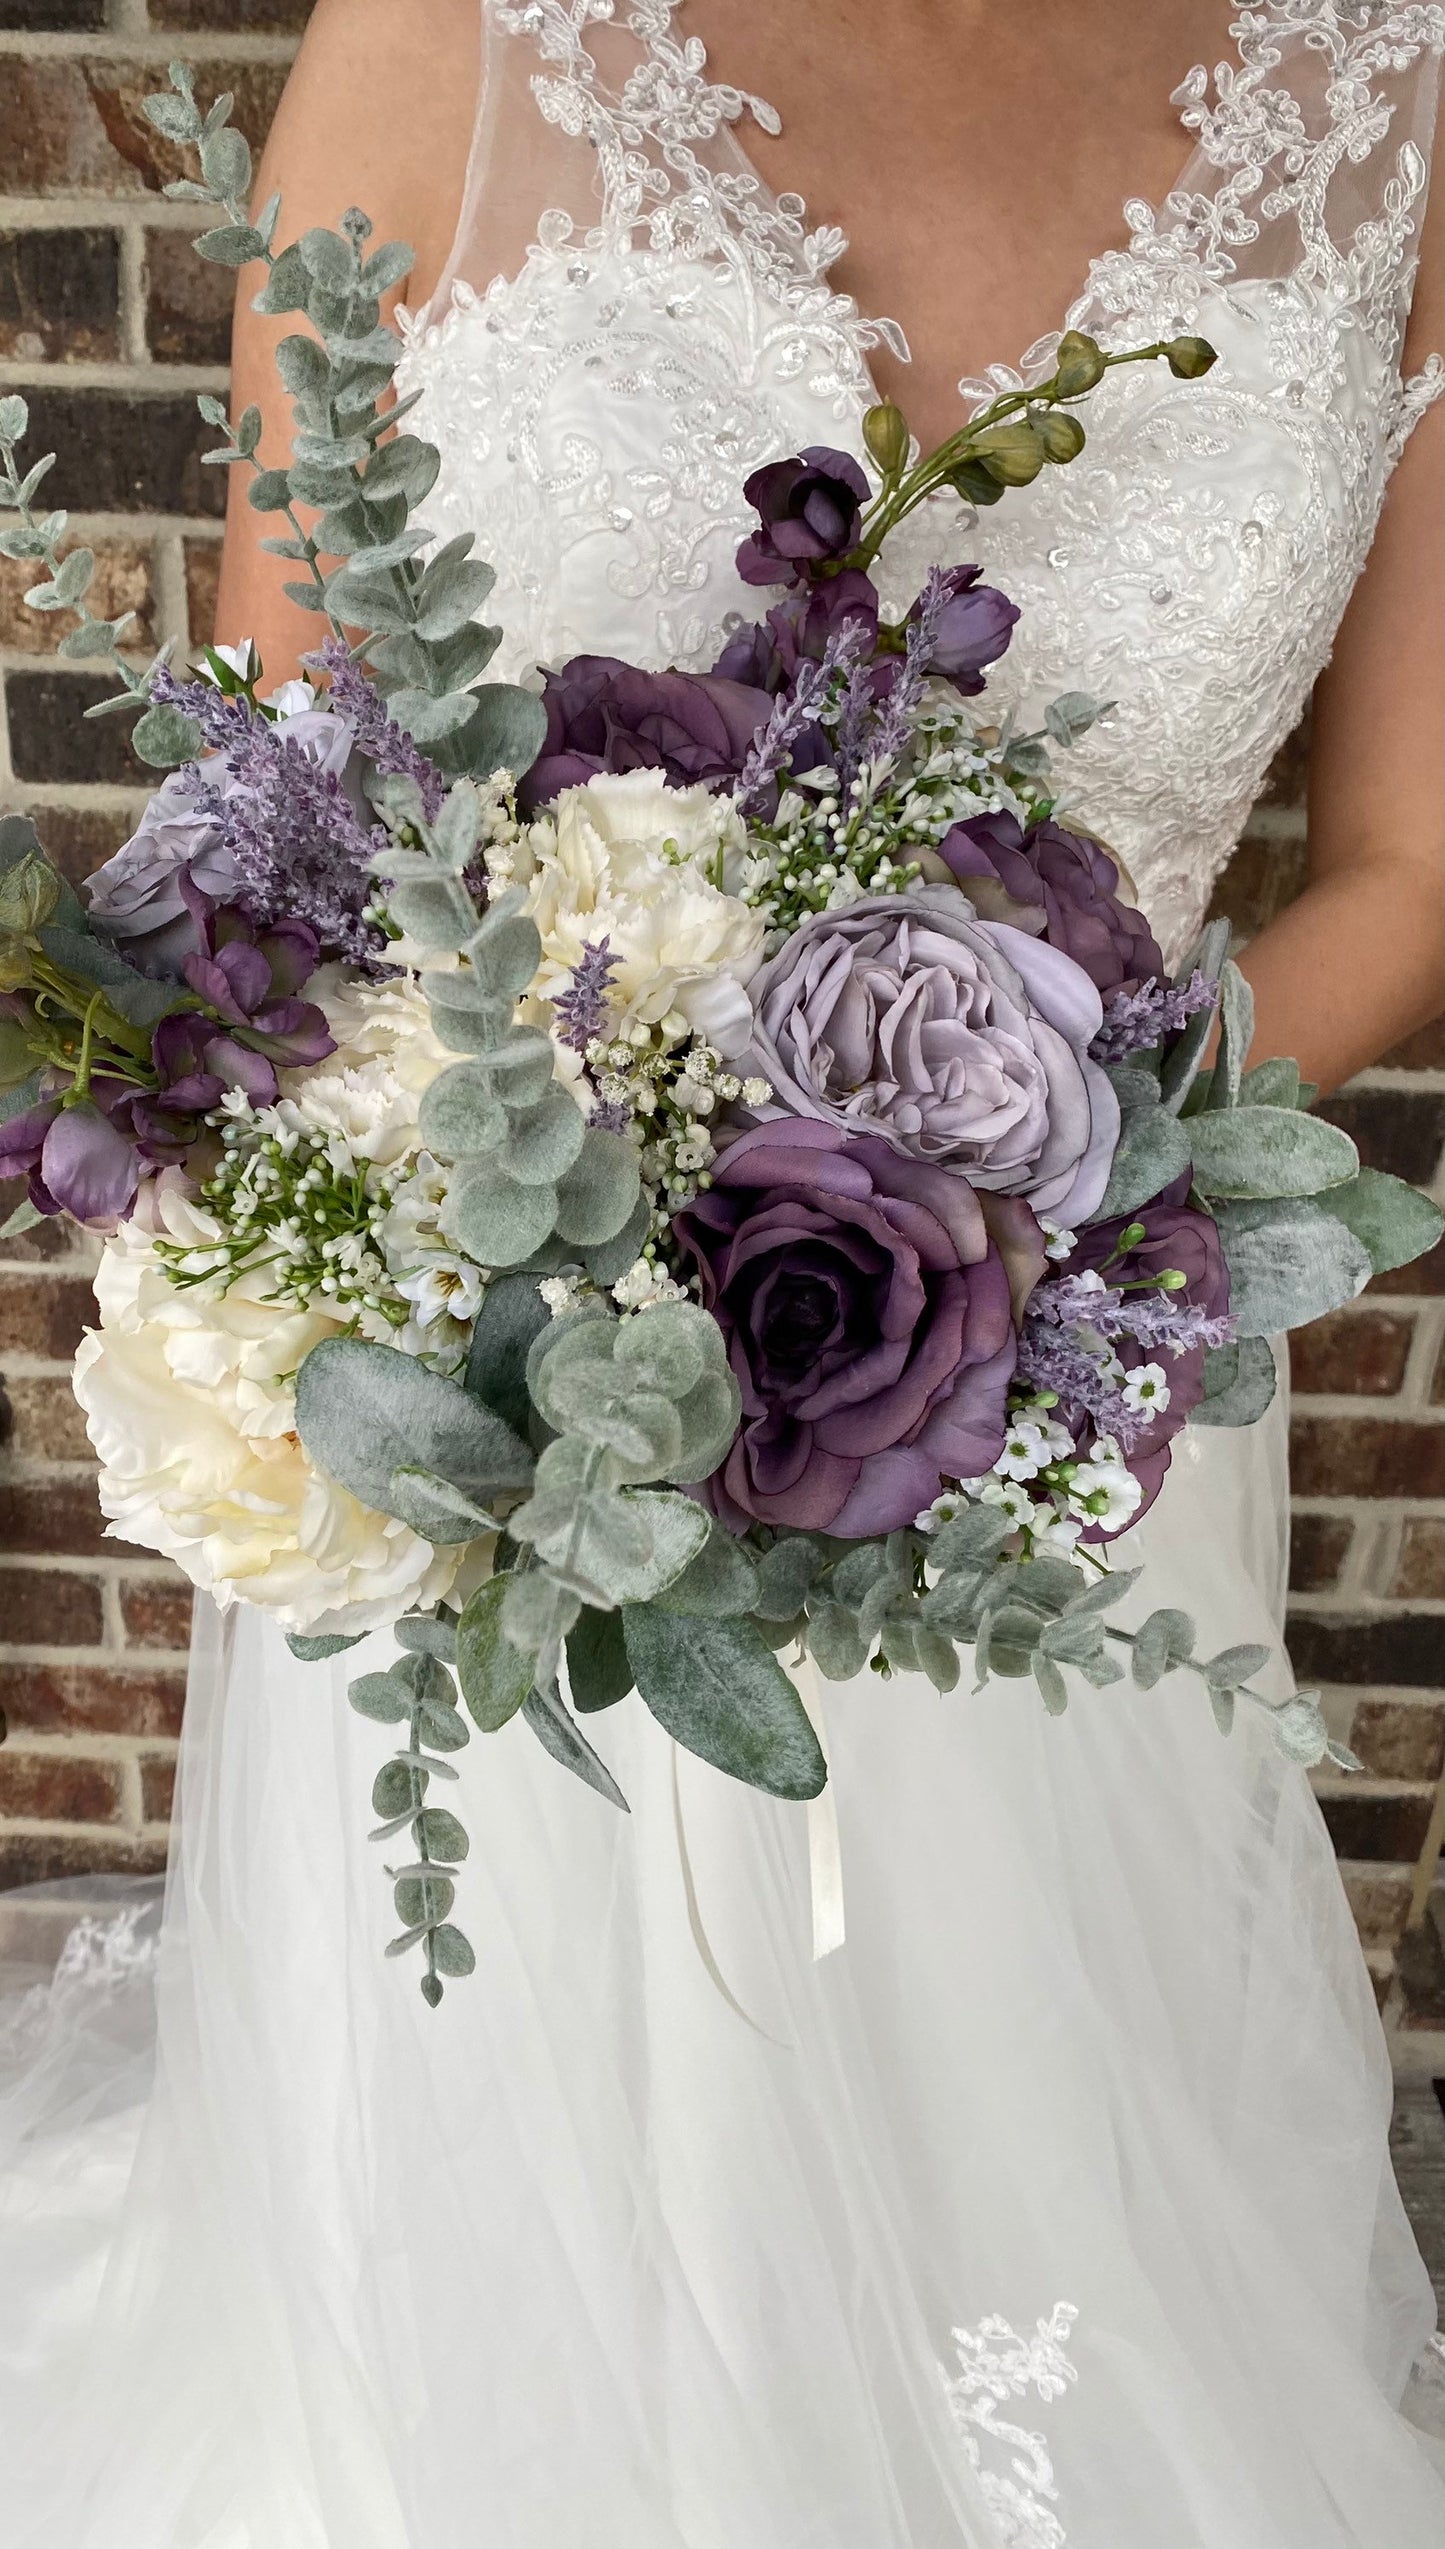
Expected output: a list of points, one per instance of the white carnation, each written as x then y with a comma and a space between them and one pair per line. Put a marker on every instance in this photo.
648, 868
189, 1402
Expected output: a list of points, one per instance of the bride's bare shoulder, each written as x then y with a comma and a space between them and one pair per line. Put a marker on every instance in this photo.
379, 111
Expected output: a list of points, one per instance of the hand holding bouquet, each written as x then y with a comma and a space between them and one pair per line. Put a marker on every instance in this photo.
637, 1181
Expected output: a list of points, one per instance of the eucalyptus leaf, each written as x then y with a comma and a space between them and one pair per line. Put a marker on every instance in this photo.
718, 1691
719, 1583
495, 1676
316, 1650
381, 1696
558, 1732
836, 1642
678, 1531
599, 1191
598, 1672
166, 738
1165, 1641
512, 1316
787, 1573
1240, 1382
494, 1220
452, 1953
364, 1412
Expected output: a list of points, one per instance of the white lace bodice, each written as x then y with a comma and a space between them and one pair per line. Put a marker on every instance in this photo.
672, 325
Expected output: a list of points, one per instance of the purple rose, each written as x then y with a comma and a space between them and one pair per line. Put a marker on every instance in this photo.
136, 898
603, 714
810, 511
972, 626
868, 1323
1072, 881
961, 1042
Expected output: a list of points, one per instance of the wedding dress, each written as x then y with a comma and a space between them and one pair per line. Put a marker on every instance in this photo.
1053, 2210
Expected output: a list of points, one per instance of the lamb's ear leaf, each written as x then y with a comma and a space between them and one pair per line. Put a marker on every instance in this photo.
315, 1650
1250, 1153
598, 1671
365, 1413
1394, 1222
556, 1729
1153, 1150
1239, 1383
719, 1692
1288, 1263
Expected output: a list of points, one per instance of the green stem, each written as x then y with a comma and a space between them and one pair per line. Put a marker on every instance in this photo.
80, 1085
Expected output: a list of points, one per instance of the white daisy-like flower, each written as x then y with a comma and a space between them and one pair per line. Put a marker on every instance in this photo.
1056, 1532
443, 1287
1010, 1499
1103, 1490
1147, 1390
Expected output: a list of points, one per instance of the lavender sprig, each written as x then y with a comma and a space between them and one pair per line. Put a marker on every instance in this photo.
581, 1011
1073, 1321
893, 727
378, 736
1137, 1020
795, 709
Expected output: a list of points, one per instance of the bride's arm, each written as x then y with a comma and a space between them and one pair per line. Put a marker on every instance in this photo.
378, 111
1359, 959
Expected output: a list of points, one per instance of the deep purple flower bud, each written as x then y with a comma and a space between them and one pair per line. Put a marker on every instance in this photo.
1073, 881
974, 625
810, 510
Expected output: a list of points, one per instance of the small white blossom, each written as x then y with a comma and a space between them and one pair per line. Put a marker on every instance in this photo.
1026, 1450
1056, 1532
1058, 1242
443, 1287
644, 1286
1013, 1500
561, 1293
1103, 1490
1147, 1389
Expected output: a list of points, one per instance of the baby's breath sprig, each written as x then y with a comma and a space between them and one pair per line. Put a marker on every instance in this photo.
286, 1204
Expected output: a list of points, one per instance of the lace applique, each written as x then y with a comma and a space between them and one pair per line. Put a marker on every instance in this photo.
1013, 2466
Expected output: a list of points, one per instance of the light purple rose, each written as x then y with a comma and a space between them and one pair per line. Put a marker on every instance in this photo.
869, 1324
136, 898
960, 1041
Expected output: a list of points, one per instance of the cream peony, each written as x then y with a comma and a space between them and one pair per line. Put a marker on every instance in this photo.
188, 1395
646, 867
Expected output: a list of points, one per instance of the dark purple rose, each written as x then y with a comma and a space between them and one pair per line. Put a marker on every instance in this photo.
868, 1322
960, 1041
76, 1159
973, 623
1072, 881
603, 714
810, 511
1175, 1236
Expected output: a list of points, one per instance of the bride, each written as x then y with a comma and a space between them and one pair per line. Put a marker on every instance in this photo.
1053, 2210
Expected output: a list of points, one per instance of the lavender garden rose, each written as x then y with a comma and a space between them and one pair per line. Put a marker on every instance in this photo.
869, 1323
960, 1042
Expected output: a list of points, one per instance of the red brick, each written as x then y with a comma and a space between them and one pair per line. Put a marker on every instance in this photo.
1366, 1456
1360, 1352
53, 739
44, 1315
41, 1606
56, 1517
1378, 1825
157, 1613
158, 1788
1319, 1545
1424, 1276
60, 296
47, 1423
188, 302
79, 839
47, 1240
70, 126
1400, 1738
1420, 1575
122, 583
203, 576
1400, 1129
40, 1858
92, 1699
58, 1787
1423, 1051
254, 17
1404, 1649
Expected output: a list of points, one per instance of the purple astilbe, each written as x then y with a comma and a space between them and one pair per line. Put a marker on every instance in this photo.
379, 738
298, 847
796, 709
581, 1010
1136, 1020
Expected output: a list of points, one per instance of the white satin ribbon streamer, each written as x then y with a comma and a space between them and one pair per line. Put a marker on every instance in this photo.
695, 1922
825, 1849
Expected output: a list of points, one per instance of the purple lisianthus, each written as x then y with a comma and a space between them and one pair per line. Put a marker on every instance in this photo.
960, 1042
969, 625
603, 714
76, 1158
868, 1322
1072, 881
136, 899
809, 511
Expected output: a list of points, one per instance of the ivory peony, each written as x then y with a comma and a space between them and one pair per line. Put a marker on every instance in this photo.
188, 1396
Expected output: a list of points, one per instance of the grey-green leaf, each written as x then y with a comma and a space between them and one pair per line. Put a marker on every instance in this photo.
495, 1676
598, 1672
1153, 1151
1248, 1154
720, 1583
557, 1731
719, 1692
1239, 1383
1288, 1264
1394, 1222
365, 1411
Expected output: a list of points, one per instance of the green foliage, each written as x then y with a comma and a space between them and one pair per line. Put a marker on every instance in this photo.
1288, 1263
381, 1424
720, 1693
418, 1692
598, 1672
495, 1676
1239, 1383
1394, 1223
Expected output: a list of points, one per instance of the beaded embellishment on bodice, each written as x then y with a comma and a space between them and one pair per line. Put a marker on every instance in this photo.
599, 409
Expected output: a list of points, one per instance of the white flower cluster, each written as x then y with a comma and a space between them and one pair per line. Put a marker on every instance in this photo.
820, 853
671, 1095
1049, 1491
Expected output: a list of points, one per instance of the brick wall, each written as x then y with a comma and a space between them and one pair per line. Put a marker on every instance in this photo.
111, 326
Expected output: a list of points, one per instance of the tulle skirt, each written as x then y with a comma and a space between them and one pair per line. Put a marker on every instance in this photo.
1054, 2208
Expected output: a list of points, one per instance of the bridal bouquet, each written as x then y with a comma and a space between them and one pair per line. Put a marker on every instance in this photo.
635, 1181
